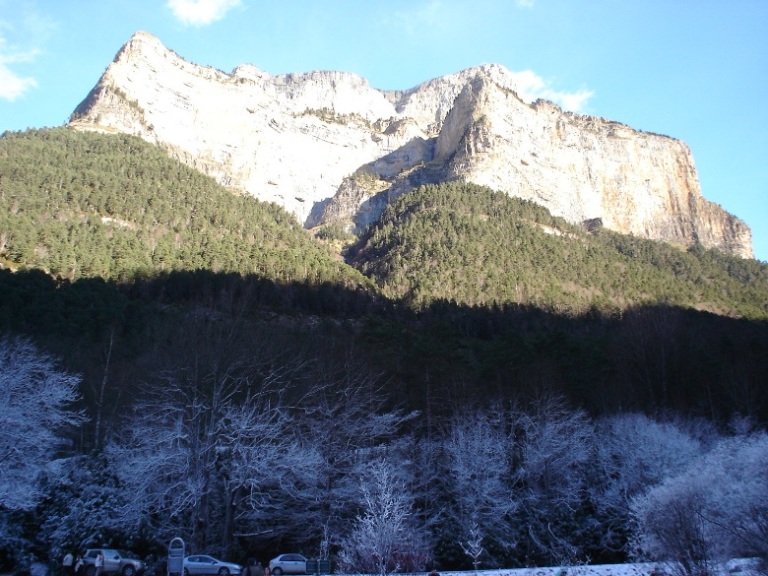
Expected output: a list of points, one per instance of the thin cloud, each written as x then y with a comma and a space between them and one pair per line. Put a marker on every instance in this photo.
419, 17
526, 3
530, 86
12, 84
201, 12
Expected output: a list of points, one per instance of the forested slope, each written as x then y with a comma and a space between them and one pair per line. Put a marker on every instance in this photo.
81, 205
84, 205
468, 244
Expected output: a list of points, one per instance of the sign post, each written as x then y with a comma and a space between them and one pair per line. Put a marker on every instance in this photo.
176, 557
318, 567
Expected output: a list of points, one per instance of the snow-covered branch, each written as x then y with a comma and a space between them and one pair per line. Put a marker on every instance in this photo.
36, 400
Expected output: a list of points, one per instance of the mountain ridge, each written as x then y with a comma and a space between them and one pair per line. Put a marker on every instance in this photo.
332, 149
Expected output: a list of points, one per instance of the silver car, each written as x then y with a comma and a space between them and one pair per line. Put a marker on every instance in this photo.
114, 562
209, 566
288, 564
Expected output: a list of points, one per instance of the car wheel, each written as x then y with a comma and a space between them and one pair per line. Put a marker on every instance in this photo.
224, 571
277, 571
129, 570
186, 572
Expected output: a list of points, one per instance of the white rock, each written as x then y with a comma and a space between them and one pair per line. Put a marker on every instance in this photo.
296, 139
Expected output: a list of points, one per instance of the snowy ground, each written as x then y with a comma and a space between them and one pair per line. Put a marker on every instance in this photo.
731, 568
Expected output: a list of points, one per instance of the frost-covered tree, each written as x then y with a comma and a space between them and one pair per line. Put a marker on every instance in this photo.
385, 536
36, 408
165, 457
206, 460
737, 503
480, 479
77, 511
202, 439
473, 547
633, 453
270, 475
343, 420
554, 451
671, 526
715, 509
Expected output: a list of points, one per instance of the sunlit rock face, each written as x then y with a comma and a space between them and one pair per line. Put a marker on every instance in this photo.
330, 148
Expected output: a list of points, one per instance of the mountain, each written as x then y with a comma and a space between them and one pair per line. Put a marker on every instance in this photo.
330, 148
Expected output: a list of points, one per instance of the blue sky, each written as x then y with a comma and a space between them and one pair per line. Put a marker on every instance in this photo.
692, 69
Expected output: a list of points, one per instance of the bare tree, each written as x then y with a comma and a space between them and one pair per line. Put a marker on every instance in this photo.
269, 473
672, 527
737, 502
343, 418
203, 457
473, 547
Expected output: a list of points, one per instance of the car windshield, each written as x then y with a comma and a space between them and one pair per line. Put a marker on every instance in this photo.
128, 554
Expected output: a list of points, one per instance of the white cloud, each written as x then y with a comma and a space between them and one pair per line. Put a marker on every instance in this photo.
201, 12
13, 85
574, 100
530, 86
525, 3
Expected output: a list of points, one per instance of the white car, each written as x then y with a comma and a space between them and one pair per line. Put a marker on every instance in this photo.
202, 564
288, 564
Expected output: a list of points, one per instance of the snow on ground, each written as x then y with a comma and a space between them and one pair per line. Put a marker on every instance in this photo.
590, 570
741, 567
730, 568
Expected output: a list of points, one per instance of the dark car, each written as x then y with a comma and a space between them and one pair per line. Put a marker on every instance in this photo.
120, 562
204, 565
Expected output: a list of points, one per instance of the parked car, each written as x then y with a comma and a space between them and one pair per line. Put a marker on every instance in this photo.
288, 564
120, 562
208, 565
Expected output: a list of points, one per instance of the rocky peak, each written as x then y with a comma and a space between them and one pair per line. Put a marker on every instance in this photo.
327, 146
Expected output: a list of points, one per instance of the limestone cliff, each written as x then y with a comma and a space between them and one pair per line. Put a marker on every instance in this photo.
329, 147
583, 168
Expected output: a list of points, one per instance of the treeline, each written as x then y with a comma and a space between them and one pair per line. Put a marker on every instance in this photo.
85, 205
649, 359
470, 245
